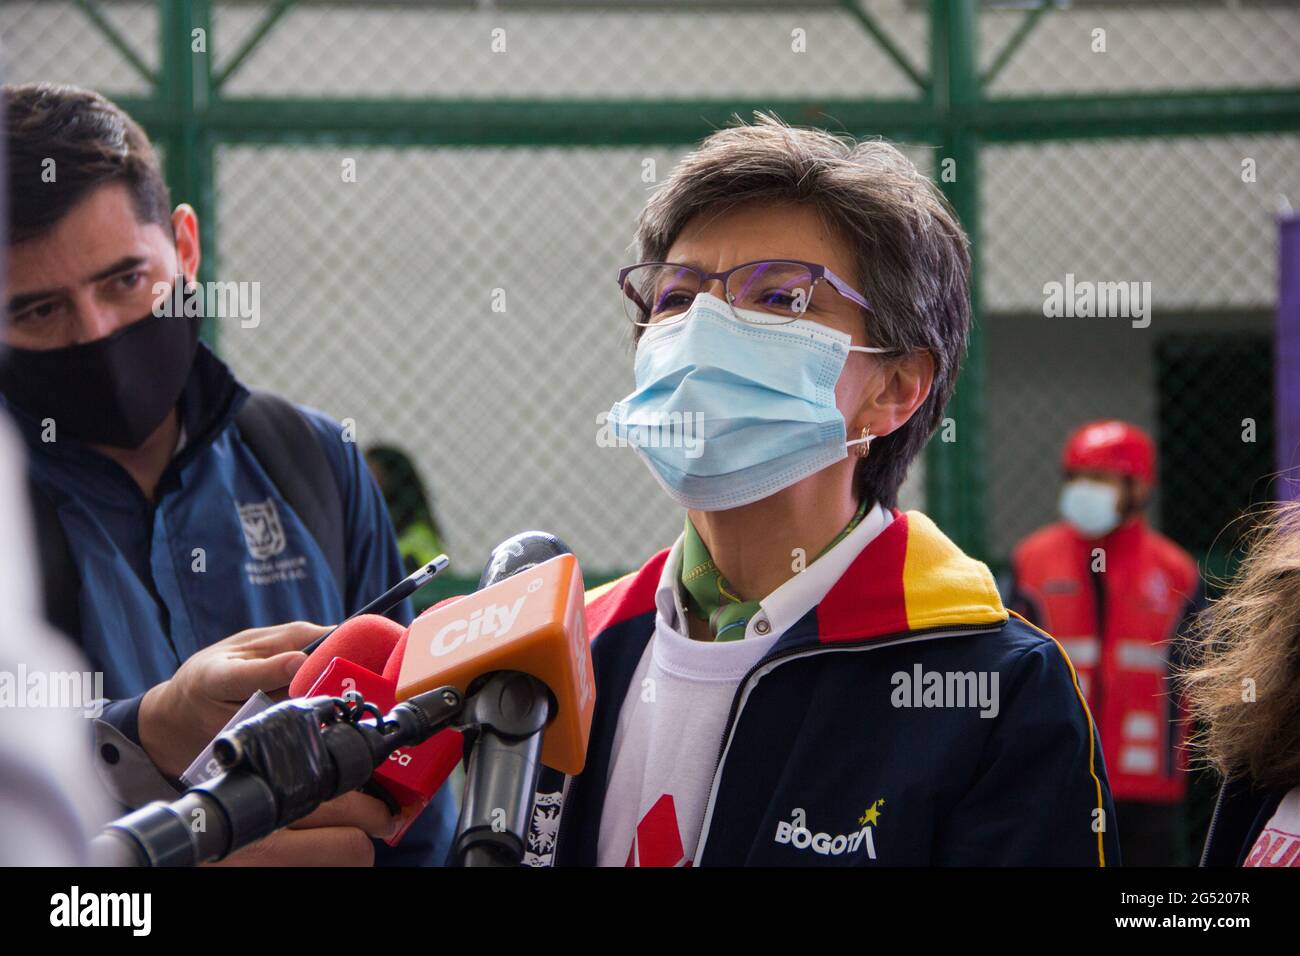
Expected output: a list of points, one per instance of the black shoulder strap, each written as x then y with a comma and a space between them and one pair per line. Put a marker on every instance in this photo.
287, 447
60, 581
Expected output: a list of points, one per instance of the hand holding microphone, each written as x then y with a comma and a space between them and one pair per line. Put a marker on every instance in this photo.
189, 710
278, 767
517, 648
353, 658
350, 658
511, 662
338, 833
182, 714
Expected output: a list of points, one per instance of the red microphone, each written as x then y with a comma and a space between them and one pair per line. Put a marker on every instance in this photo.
366, 641
352, 659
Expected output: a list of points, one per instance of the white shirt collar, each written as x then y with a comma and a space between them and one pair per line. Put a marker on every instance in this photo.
781, 609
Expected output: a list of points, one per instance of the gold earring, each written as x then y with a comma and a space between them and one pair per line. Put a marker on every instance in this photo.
865, 447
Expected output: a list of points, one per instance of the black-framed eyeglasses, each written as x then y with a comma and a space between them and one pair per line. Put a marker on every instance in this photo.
764, 292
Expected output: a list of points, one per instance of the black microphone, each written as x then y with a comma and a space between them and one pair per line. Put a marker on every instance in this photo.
510, 710
525, 550
279, 766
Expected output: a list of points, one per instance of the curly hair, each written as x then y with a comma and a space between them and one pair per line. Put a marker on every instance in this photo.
1244, 682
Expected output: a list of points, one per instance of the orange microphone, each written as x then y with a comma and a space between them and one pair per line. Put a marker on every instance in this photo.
532, 622
517, 649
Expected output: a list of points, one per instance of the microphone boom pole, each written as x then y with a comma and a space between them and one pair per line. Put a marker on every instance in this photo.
510, 710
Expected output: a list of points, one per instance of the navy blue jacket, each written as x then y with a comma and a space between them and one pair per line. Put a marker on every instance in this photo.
1240, 816
218, 551
825, 762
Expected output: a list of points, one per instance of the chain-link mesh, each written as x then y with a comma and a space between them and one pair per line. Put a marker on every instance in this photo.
1102, 47
1214, 408
54, 41
1191, 217
616, 51
457, 304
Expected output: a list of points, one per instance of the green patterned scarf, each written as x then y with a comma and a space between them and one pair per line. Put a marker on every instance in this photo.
708, 594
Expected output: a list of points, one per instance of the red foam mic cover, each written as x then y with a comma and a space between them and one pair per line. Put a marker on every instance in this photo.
411, 774
367, 640
394, 665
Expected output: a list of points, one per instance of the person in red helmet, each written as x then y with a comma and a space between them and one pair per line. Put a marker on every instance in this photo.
1118, 595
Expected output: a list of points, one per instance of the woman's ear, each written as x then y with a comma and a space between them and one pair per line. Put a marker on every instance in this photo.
905, 385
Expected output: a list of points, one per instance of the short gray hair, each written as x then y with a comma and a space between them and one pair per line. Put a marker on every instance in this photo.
912, 255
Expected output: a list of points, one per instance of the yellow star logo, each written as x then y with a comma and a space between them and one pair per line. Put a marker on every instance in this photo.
872, 815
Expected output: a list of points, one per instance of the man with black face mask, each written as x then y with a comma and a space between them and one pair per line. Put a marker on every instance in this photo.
182, 521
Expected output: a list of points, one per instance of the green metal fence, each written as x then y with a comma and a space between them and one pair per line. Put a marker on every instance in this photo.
495, 142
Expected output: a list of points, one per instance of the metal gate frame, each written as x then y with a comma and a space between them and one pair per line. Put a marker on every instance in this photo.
190, 116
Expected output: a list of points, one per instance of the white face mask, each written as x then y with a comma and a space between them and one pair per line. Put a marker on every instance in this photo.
763, 395
1091, 506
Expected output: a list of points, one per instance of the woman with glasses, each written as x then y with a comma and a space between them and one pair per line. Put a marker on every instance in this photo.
809, 675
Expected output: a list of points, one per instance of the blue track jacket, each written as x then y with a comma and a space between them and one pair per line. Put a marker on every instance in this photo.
845, 744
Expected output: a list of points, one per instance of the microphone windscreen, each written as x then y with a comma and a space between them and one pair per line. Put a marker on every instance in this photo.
393, 666
525, 550
367, 640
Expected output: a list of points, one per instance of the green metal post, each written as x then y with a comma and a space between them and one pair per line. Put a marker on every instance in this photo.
955, 469
185, 91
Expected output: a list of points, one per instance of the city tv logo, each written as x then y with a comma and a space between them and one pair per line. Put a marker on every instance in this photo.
533, 622
494, 621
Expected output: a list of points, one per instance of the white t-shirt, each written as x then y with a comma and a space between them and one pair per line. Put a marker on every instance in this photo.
1278, 843
669, 733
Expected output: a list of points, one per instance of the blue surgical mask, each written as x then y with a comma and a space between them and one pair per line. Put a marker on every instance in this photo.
1091, 506
727, 412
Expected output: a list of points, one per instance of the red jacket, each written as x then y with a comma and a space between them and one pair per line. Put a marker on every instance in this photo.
1117, 605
